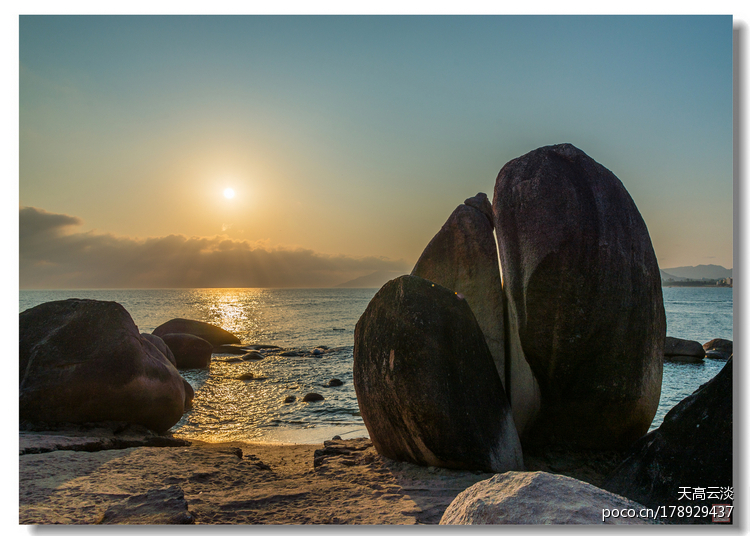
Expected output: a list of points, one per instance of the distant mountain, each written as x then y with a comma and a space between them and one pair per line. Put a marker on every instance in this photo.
373, 280
702, 271
666, 277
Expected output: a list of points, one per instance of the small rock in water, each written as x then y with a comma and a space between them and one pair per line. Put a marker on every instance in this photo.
336, 438
246, 376
335, 382
228, 349
718, 349
290, 353
312, 397
252, 356
233, 360
290, 399
317, 351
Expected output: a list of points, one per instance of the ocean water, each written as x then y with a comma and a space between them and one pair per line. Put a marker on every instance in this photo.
228, 409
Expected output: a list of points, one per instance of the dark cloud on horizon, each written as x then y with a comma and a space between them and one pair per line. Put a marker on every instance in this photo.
53, 254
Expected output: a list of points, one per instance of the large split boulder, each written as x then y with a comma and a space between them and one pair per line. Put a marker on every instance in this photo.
85, 361
584, 301
539, 498
213, 334
462, 257
190, 352
687, 461
426, 384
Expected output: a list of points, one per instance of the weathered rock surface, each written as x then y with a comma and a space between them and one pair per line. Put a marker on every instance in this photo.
538, 498
213, 334
692, 448
165, 506
426, 383
683, 350
463, 257
85, 361
584, 301
190, 352
718, 349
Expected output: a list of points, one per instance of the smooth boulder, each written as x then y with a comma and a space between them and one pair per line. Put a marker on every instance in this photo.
683, 350
426, 384
190, 352
584, 298
85, 361
208, 332
691, 449
462, 257
718, 349
539, 498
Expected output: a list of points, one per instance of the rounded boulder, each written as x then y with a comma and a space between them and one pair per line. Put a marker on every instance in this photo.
190, 352
426, 383
584, 297
208, 332
85, 361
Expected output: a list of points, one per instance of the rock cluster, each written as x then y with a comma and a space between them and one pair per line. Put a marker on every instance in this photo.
572, 316
85, 361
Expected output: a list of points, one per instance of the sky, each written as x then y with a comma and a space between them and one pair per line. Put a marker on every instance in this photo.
348, 140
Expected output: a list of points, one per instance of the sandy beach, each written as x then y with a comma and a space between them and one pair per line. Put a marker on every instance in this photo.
341, 482
108, 475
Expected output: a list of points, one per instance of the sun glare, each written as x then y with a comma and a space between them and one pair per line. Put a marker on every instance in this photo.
229, 193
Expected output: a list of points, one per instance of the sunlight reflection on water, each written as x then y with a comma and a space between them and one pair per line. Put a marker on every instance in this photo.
226, 408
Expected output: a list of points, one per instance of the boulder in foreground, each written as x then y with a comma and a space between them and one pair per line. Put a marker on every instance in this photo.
426, 384
692, 448
213, 334
538, 498
584, 299
85, 361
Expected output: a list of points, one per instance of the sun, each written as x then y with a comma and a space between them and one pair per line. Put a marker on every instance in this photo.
229, 193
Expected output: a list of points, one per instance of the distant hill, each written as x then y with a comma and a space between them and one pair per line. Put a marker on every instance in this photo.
373, 280
702, 271
665, 276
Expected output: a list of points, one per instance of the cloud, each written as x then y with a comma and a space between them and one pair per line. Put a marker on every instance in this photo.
53, 253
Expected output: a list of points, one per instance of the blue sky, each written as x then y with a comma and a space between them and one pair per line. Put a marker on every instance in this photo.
355, 137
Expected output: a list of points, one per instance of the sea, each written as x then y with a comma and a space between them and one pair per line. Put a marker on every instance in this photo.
226, 408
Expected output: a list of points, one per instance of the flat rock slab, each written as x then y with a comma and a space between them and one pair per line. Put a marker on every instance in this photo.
92, 439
